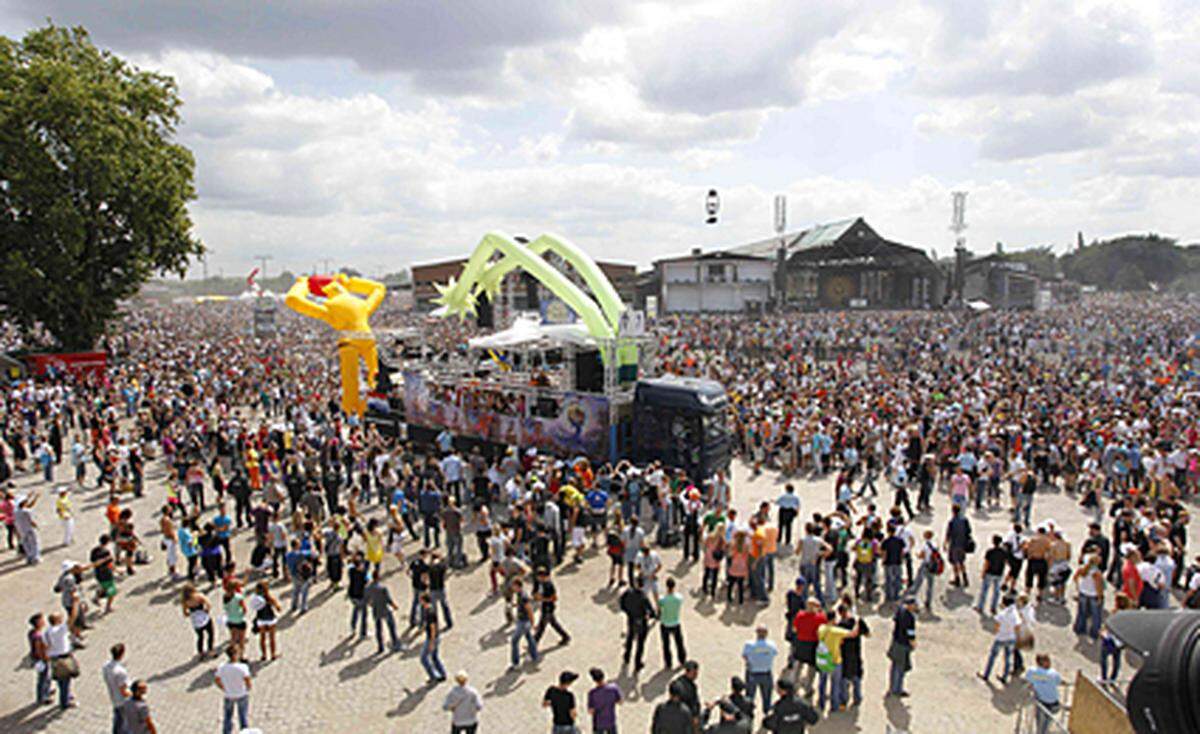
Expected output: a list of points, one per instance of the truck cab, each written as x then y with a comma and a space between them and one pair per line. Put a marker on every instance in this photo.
681, 421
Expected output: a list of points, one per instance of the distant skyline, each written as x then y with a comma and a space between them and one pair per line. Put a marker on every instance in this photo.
376, 134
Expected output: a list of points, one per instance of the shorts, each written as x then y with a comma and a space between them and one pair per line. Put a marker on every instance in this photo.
616, 560
109, 588
958, 555
806, 651
235, 625
1036, 569
598, 520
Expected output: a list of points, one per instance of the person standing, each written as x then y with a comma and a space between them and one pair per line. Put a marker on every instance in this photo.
669, 608
995, 563
545, 593
958, 545
356, 592
928, 570
116, 681
1090, 581
66, 515
561, 702
1044, 680
27, 529
464, 704
136, 712
638, 612
524, 625
430, 660
40, 657
379, 600
789, 508
63, 666
829, 662
790, 714
673, 716
602, 703
904, 642
759, 656
689, 693
852, 660
892, 549
805, 625
233, 678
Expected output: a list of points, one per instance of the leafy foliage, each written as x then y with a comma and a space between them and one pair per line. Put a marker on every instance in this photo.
93, 188
1129, 263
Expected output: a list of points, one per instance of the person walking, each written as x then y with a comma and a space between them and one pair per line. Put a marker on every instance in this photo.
430, 660
1007, 627
464, 704
356, 591
524, 625
63, 666
545, 593
266, 616
904, 642
829, 662
66, 515
930, 567
1045, 681
27, 529
233, 678
669, 609
759, 656
116, 682
638, 610
602, 703
561, 702
379, 600
789, 508
1090, 581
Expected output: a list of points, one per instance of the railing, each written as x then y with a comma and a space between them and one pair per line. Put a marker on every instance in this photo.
1035, 718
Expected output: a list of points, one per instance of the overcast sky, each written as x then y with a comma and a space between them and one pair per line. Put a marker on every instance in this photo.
379, 133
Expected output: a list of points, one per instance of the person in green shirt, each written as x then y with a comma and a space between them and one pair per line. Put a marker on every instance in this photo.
713, 518
669, 607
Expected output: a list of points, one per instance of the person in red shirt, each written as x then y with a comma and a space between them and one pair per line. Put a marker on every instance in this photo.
1131, 579
806, 624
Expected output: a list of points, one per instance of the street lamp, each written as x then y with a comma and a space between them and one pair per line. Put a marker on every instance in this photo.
712, 204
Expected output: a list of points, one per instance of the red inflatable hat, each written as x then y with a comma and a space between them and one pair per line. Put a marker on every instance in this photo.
317, 283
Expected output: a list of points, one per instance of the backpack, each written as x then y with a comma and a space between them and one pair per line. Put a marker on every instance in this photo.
824, 658
936, 563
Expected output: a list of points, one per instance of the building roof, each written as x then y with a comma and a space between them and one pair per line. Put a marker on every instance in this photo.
713, 255
825, 234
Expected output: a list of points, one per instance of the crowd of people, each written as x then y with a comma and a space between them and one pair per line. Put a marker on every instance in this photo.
269, 491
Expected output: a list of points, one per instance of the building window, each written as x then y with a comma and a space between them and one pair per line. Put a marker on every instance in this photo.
716, 273
805, 285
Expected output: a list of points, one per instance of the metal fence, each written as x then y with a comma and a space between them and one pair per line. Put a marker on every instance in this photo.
1035, 718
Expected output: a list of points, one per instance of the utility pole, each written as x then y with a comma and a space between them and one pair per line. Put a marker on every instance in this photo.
958, 225
781, 252
262, 263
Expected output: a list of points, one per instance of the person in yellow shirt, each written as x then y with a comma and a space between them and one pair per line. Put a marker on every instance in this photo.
770, 541
829, 663
66, 515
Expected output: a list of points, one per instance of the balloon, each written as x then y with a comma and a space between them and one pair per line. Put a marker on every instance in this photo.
345, 311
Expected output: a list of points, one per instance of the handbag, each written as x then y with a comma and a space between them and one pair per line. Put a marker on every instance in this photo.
1024, 640
64, 667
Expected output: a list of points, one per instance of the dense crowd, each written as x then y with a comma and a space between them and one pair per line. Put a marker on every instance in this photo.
270, 491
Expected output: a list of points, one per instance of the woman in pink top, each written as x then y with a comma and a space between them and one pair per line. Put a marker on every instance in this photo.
739, 567
714, 551
960, 487
6, 514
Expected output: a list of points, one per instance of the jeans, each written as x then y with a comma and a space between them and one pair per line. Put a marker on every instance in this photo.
358, 617
524, 629
924, 577
1007, 646
42, 691
243, 713
992, 582
764, 682
564, 729
768, 574
64, 692
1087, 617
898, 669
828, 591
439, 598
1045, 713
1106, 655
757, 592
380, 621
118, 721
433, 531
454, 549
300, 594
831, 688
1024, 508
812, 575
853, 683
430, 660
892, 583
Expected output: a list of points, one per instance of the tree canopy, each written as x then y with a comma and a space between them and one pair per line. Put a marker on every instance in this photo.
1129, 263
93, 187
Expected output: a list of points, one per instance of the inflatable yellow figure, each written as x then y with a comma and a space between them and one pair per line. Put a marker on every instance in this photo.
346, 312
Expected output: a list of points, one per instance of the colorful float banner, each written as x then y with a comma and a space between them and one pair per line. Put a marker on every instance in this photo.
579, 424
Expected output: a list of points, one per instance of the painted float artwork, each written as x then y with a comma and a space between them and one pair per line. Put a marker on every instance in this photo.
567, 424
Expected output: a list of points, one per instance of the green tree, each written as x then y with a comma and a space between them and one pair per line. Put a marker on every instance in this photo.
93, 188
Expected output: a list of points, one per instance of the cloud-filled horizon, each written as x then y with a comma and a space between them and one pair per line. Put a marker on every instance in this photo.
376, 134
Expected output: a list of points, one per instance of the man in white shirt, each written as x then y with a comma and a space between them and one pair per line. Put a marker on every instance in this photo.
233, 678
1008, 622
58, 645
116, 680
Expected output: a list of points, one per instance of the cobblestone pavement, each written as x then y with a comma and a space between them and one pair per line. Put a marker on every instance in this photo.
327, 681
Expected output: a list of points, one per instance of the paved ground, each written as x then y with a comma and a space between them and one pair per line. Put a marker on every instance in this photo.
326, 680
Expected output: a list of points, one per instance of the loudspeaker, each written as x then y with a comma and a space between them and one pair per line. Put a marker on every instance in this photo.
485, 318
589, 371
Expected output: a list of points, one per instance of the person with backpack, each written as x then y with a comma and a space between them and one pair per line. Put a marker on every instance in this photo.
932, 566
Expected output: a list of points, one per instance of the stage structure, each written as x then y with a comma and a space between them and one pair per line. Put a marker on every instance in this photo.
568, 389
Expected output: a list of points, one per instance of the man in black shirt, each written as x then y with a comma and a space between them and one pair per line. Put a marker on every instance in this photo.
545, 593
1098, 543
995, 563
790, 715
561, 703
638, 612
904, 641
893, 555
672, 716
688, 693
418, 571
357, 594
437, 571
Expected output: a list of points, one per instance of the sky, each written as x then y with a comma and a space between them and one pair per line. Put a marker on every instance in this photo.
376, 134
